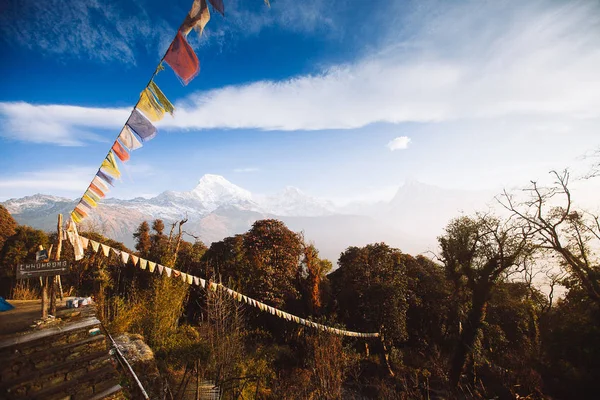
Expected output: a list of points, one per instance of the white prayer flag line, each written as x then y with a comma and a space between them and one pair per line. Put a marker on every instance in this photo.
189, 279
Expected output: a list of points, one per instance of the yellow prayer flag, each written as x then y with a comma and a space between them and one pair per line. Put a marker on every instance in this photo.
150, 107
109, 165
89, 200
165, 103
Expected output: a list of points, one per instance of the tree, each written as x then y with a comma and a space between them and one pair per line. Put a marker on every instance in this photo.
8, 225
142, 237
478, 251
572, 234
313, 271
273, 255
370, 290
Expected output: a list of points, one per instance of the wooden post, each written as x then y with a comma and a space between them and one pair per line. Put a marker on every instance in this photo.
44, 297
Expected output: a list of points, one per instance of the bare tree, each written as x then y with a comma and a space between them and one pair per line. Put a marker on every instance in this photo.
558, 227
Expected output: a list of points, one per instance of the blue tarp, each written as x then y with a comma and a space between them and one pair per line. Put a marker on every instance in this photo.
5, 305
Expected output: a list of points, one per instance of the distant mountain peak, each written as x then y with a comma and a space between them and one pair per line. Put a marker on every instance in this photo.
215, 190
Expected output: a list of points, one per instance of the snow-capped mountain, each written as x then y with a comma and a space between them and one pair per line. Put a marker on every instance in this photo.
217, 208
295, 203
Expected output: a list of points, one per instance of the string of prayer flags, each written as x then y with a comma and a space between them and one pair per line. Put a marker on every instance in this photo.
150, 106
219, 6
128, 139
197, 18
120, 151
190, 279
182, 60
141, 126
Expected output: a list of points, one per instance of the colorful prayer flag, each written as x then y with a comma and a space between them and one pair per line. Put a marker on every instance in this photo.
143, 263
151, 266
182, 59
219, 6
149, 106
166, 104
197, 18
120, 151
134, 259
141, 126
106, 178
109, 165
105, 249
128, 139
124, 257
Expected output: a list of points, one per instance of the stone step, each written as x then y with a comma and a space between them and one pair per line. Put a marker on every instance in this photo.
57, 371
82, 387
47, 338
57, 351
111, 392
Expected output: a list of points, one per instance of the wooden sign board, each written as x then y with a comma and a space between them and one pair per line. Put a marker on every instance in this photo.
34, 270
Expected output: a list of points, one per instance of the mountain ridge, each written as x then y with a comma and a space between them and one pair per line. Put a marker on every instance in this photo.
217, 208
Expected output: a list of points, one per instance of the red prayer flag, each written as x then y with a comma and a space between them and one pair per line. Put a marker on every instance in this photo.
182, 59
120, 151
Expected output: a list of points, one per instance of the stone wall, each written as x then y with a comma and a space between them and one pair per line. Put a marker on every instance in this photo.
71, 361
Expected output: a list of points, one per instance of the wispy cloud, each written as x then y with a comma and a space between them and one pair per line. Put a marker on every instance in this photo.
58, 124
88, 29
246, 170
108, 30
67, 180
536, 61
399, 143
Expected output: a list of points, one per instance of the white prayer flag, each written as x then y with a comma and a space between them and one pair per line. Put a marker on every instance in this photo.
95, 246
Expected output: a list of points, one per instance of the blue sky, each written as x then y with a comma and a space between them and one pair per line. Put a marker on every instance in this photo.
345, 99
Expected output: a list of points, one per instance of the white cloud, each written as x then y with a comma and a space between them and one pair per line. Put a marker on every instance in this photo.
59, 124
489, 63
245, 170
399, 143
67, 180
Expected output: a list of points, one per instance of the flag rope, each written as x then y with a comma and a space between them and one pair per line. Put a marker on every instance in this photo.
192, 279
